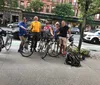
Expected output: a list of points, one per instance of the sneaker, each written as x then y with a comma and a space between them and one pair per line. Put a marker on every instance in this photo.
19, 50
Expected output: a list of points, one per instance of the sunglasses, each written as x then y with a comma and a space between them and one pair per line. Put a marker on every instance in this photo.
57, 24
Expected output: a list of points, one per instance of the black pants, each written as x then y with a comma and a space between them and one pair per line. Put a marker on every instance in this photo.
35, 39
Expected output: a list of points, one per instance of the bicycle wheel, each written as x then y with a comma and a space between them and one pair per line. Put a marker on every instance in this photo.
8, 43
1, 43
44, 50
54, 49
27, 51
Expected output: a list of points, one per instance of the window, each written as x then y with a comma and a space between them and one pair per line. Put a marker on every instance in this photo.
99, 33
47, 8
28, 4
70, 1
22, 3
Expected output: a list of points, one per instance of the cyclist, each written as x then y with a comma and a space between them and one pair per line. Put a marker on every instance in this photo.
63, 36
35, 29
48, 32
56, 30
22, 32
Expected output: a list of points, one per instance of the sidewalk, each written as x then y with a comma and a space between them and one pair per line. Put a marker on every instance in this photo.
95, 54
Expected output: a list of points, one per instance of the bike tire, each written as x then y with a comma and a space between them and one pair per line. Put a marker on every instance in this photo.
27, 52
44, 55
54, 49
8, 43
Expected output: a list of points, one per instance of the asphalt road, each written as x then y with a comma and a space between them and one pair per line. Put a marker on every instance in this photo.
85, 45
18, 70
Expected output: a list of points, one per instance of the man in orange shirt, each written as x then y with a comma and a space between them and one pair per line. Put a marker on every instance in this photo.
35, 29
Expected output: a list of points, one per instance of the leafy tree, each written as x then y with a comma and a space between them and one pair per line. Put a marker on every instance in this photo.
2, 3
63, 10
14, 3
28, 9
36, 5
87, 8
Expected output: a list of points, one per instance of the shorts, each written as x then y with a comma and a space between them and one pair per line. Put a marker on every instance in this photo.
63, 40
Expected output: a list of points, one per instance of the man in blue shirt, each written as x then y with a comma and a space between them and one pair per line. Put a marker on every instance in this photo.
22, 32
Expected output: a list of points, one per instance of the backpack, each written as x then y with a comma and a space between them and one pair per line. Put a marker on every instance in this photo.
72, 59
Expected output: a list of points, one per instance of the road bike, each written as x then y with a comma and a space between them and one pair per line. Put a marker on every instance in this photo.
27, 50
54, 48
8, 41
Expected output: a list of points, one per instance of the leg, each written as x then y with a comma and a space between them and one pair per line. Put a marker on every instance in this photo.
35, 39
60, 44
64, 45
22, 43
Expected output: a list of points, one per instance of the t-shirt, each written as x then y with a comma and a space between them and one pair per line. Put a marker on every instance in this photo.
21, 30
47, 31
35, 26
63, 31
46, 28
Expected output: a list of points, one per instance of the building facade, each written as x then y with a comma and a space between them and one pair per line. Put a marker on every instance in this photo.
49, 4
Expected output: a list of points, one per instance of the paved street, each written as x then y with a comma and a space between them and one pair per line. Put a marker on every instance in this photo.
88, 46
18, 70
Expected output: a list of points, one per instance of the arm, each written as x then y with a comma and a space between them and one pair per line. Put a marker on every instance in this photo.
40, 27
69, 32
51, 31
31, 26
20, 25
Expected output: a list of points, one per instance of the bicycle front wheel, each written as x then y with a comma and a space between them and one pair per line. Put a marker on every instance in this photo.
44, 50
8, 43
27, 50
54, 49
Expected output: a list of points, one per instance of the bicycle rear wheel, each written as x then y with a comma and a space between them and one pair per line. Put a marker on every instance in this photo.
27, 51
8, 43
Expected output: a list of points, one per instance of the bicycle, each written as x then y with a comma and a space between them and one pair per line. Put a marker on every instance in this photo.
49, 49
53, 48
8, 42
42, 47
27, 50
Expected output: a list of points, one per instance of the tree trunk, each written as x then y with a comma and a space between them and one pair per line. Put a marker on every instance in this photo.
81, 32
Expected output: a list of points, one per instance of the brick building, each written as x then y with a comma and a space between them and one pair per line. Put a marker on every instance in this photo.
49, 4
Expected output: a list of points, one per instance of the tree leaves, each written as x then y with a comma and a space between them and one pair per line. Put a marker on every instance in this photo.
2, 3
36, 5
89, 7
63, 10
